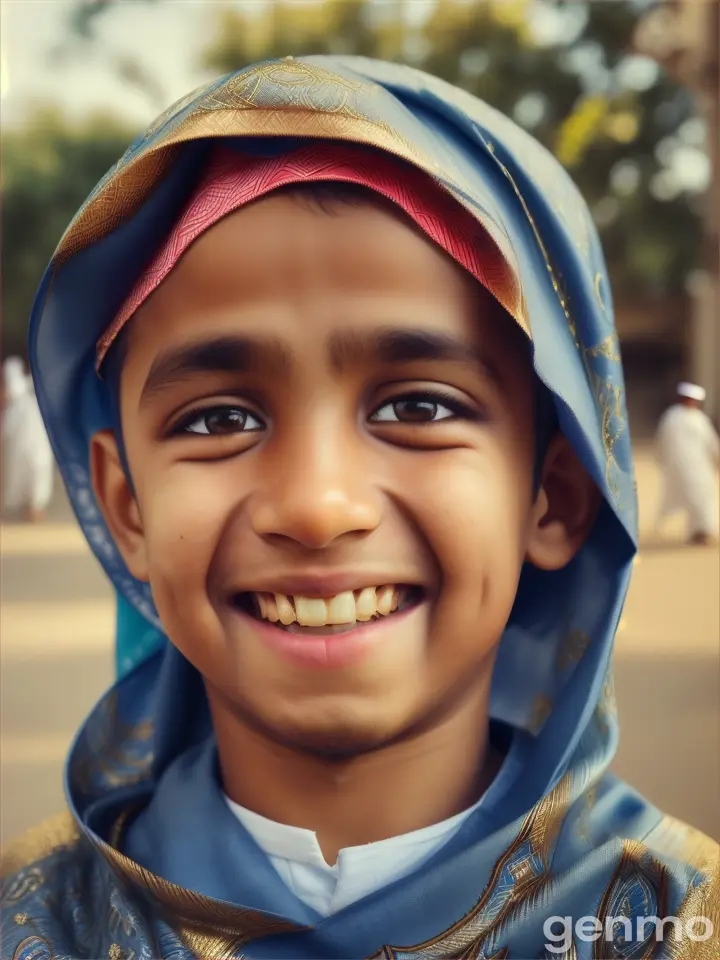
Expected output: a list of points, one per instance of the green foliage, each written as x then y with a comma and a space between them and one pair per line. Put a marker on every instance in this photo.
48, 169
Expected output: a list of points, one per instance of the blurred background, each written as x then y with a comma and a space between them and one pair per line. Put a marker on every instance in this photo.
625, 94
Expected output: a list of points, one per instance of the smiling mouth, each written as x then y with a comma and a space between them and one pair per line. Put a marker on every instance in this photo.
318, 616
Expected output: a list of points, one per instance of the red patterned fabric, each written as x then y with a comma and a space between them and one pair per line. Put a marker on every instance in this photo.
233, 179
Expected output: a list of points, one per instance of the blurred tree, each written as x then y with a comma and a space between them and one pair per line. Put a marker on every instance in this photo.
559, 67
82, 38
48, 169
301, 29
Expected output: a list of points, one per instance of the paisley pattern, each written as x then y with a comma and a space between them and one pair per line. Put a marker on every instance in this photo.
568, 840
79, 901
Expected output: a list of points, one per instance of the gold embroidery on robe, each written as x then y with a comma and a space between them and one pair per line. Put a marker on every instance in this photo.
39, 842
500, 900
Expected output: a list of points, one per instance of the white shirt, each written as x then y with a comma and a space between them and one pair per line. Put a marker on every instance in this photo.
689, 452
295, 853
27, 458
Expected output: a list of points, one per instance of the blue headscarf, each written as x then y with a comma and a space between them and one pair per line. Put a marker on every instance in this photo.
556, 833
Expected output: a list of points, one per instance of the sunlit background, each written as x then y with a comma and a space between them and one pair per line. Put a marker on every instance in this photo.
624, 92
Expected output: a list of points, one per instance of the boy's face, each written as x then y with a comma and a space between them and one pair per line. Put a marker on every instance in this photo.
315, 403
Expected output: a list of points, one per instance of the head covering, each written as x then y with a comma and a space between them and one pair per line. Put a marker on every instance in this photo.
548, 836
692, 391
233, 180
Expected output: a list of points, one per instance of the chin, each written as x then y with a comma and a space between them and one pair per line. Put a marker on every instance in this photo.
332, 744
331, 731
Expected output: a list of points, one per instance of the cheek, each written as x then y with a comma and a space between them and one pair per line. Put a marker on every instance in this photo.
474, 513
183, 518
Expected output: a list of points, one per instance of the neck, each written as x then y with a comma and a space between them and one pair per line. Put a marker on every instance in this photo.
410, 784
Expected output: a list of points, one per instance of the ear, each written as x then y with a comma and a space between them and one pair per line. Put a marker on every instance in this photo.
565, 509
117, 502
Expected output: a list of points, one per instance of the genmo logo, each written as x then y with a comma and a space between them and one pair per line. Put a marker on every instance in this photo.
561, 932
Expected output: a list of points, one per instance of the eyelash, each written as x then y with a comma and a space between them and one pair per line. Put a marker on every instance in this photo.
459, 410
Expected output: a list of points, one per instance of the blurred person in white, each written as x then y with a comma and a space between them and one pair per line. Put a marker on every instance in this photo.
26, 453
689, 454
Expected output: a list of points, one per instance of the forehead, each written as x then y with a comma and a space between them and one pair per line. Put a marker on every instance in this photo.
282, 267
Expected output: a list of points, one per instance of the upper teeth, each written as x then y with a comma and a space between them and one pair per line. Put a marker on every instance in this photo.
320, 612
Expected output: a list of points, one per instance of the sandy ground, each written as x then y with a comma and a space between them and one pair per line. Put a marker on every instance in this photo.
56, 626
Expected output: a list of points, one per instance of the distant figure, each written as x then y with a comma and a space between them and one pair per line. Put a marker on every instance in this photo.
27, 457
689, 453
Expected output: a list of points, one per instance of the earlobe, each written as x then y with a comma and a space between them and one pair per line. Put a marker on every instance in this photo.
565, 508
117, 502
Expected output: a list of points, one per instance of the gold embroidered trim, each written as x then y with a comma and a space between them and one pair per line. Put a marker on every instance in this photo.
211, 928
673, 838
466, 937
39, 842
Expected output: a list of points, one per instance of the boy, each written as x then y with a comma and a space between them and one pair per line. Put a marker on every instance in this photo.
355, 448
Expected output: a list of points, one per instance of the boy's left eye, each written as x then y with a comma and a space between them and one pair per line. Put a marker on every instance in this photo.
419, 408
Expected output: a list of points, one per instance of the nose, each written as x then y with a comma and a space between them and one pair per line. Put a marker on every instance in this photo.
319, 492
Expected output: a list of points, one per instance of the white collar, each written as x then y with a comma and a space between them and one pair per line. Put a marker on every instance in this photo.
296, 855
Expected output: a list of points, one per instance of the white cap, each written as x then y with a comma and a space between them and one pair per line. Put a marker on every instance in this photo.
691, 391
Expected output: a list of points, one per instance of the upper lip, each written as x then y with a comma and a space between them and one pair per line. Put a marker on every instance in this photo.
324, 584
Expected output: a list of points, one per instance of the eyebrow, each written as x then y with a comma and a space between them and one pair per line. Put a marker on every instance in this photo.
393, 345
218, 355
347, 349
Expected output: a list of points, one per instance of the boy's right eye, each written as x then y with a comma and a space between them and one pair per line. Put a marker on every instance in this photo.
219, 421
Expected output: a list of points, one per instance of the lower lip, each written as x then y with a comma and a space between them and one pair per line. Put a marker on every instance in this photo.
331, 651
